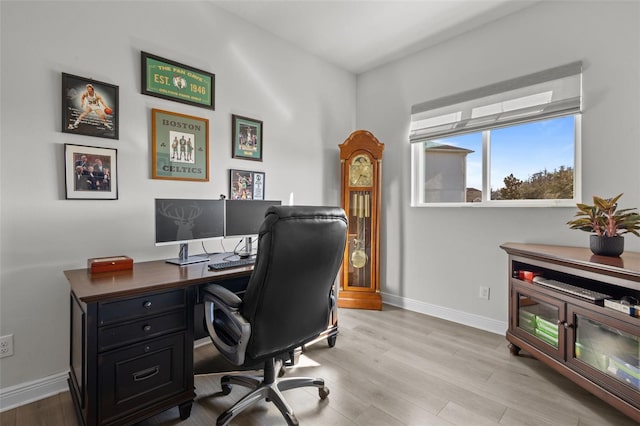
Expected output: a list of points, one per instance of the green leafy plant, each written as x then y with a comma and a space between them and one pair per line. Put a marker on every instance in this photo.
604, 219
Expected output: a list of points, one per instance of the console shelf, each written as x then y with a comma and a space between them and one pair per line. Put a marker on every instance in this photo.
596, 347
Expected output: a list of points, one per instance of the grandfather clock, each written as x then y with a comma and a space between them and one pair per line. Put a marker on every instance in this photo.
361, 162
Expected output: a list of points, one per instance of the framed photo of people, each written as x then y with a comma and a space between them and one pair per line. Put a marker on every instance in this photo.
246, 138
246, 185
91, 173
180, 146
171, 80
89, 107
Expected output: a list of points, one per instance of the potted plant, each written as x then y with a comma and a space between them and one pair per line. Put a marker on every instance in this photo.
607, 224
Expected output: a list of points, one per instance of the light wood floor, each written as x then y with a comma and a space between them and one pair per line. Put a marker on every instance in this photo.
393, 367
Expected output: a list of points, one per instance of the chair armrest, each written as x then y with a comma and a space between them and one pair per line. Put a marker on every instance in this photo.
224, 295
232, 340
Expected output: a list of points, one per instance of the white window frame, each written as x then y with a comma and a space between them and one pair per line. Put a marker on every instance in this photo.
418, 180
540, 96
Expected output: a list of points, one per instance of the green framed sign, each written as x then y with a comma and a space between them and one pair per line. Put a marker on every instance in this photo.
170, 80
180, 146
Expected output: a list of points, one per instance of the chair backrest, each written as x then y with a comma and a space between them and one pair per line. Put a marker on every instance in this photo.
288, 297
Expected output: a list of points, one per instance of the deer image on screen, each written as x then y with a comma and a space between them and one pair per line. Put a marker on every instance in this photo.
183, 217
181, 221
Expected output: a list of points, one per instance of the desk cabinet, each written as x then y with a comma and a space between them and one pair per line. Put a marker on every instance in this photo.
129, 357
596, 347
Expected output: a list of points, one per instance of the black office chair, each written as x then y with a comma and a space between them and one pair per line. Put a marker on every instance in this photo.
287, 303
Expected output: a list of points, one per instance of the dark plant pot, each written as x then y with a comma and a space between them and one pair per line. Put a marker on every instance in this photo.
606, 246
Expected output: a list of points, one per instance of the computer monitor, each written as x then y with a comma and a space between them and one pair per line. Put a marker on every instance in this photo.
182, 221
243, 219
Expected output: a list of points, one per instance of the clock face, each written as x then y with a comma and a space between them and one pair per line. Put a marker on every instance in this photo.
360, 171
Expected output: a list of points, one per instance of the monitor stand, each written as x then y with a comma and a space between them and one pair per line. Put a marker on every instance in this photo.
185, 259
248, 248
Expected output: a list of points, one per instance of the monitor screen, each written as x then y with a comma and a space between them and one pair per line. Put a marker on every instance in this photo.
244, 217
181, 221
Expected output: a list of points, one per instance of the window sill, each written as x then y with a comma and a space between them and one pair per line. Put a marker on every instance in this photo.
503, 204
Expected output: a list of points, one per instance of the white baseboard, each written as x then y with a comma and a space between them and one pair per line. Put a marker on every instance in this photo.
25, 393
460, 317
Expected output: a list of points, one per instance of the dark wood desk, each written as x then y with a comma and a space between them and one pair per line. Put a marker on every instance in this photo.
132, 334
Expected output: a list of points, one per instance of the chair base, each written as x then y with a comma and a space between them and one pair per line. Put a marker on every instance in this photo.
269, 388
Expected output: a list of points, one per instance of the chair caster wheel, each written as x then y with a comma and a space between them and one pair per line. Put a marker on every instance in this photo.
226, 389
331, 341
323, 392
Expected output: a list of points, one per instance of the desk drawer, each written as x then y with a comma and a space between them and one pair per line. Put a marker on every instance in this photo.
146, 328
133, 377
151, 304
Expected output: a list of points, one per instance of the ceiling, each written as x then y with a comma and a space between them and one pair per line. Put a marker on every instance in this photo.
359, 35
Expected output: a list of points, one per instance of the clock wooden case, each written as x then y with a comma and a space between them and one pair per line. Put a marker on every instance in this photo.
361, 163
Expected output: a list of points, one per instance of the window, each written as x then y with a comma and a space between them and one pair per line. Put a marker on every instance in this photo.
515, 143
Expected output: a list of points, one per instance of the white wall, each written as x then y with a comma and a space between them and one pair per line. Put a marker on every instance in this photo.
434, 259
307, 105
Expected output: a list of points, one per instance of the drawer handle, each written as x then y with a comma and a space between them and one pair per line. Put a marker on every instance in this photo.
146, 328
147, 304
146, 374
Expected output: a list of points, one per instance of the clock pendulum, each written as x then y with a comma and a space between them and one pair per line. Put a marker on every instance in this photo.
359, 256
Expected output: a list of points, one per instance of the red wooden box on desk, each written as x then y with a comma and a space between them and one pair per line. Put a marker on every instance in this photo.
109, 264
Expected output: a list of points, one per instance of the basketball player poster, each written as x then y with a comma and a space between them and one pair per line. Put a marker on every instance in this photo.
89, 107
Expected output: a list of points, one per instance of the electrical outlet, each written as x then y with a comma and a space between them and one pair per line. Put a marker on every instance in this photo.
6, 345
483, 293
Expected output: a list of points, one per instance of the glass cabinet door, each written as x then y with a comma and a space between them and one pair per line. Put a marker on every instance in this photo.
606, 348
539, 320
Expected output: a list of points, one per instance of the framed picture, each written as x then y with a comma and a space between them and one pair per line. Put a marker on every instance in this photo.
176, 82
247, 138
91, 173
89, 107
180, 148
246, 185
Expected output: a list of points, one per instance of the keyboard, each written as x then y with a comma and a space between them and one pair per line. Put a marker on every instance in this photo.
583, 293
232, 264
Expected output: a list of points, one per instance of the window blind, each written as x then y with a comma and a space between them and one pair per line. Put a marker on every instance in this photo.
545, 94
